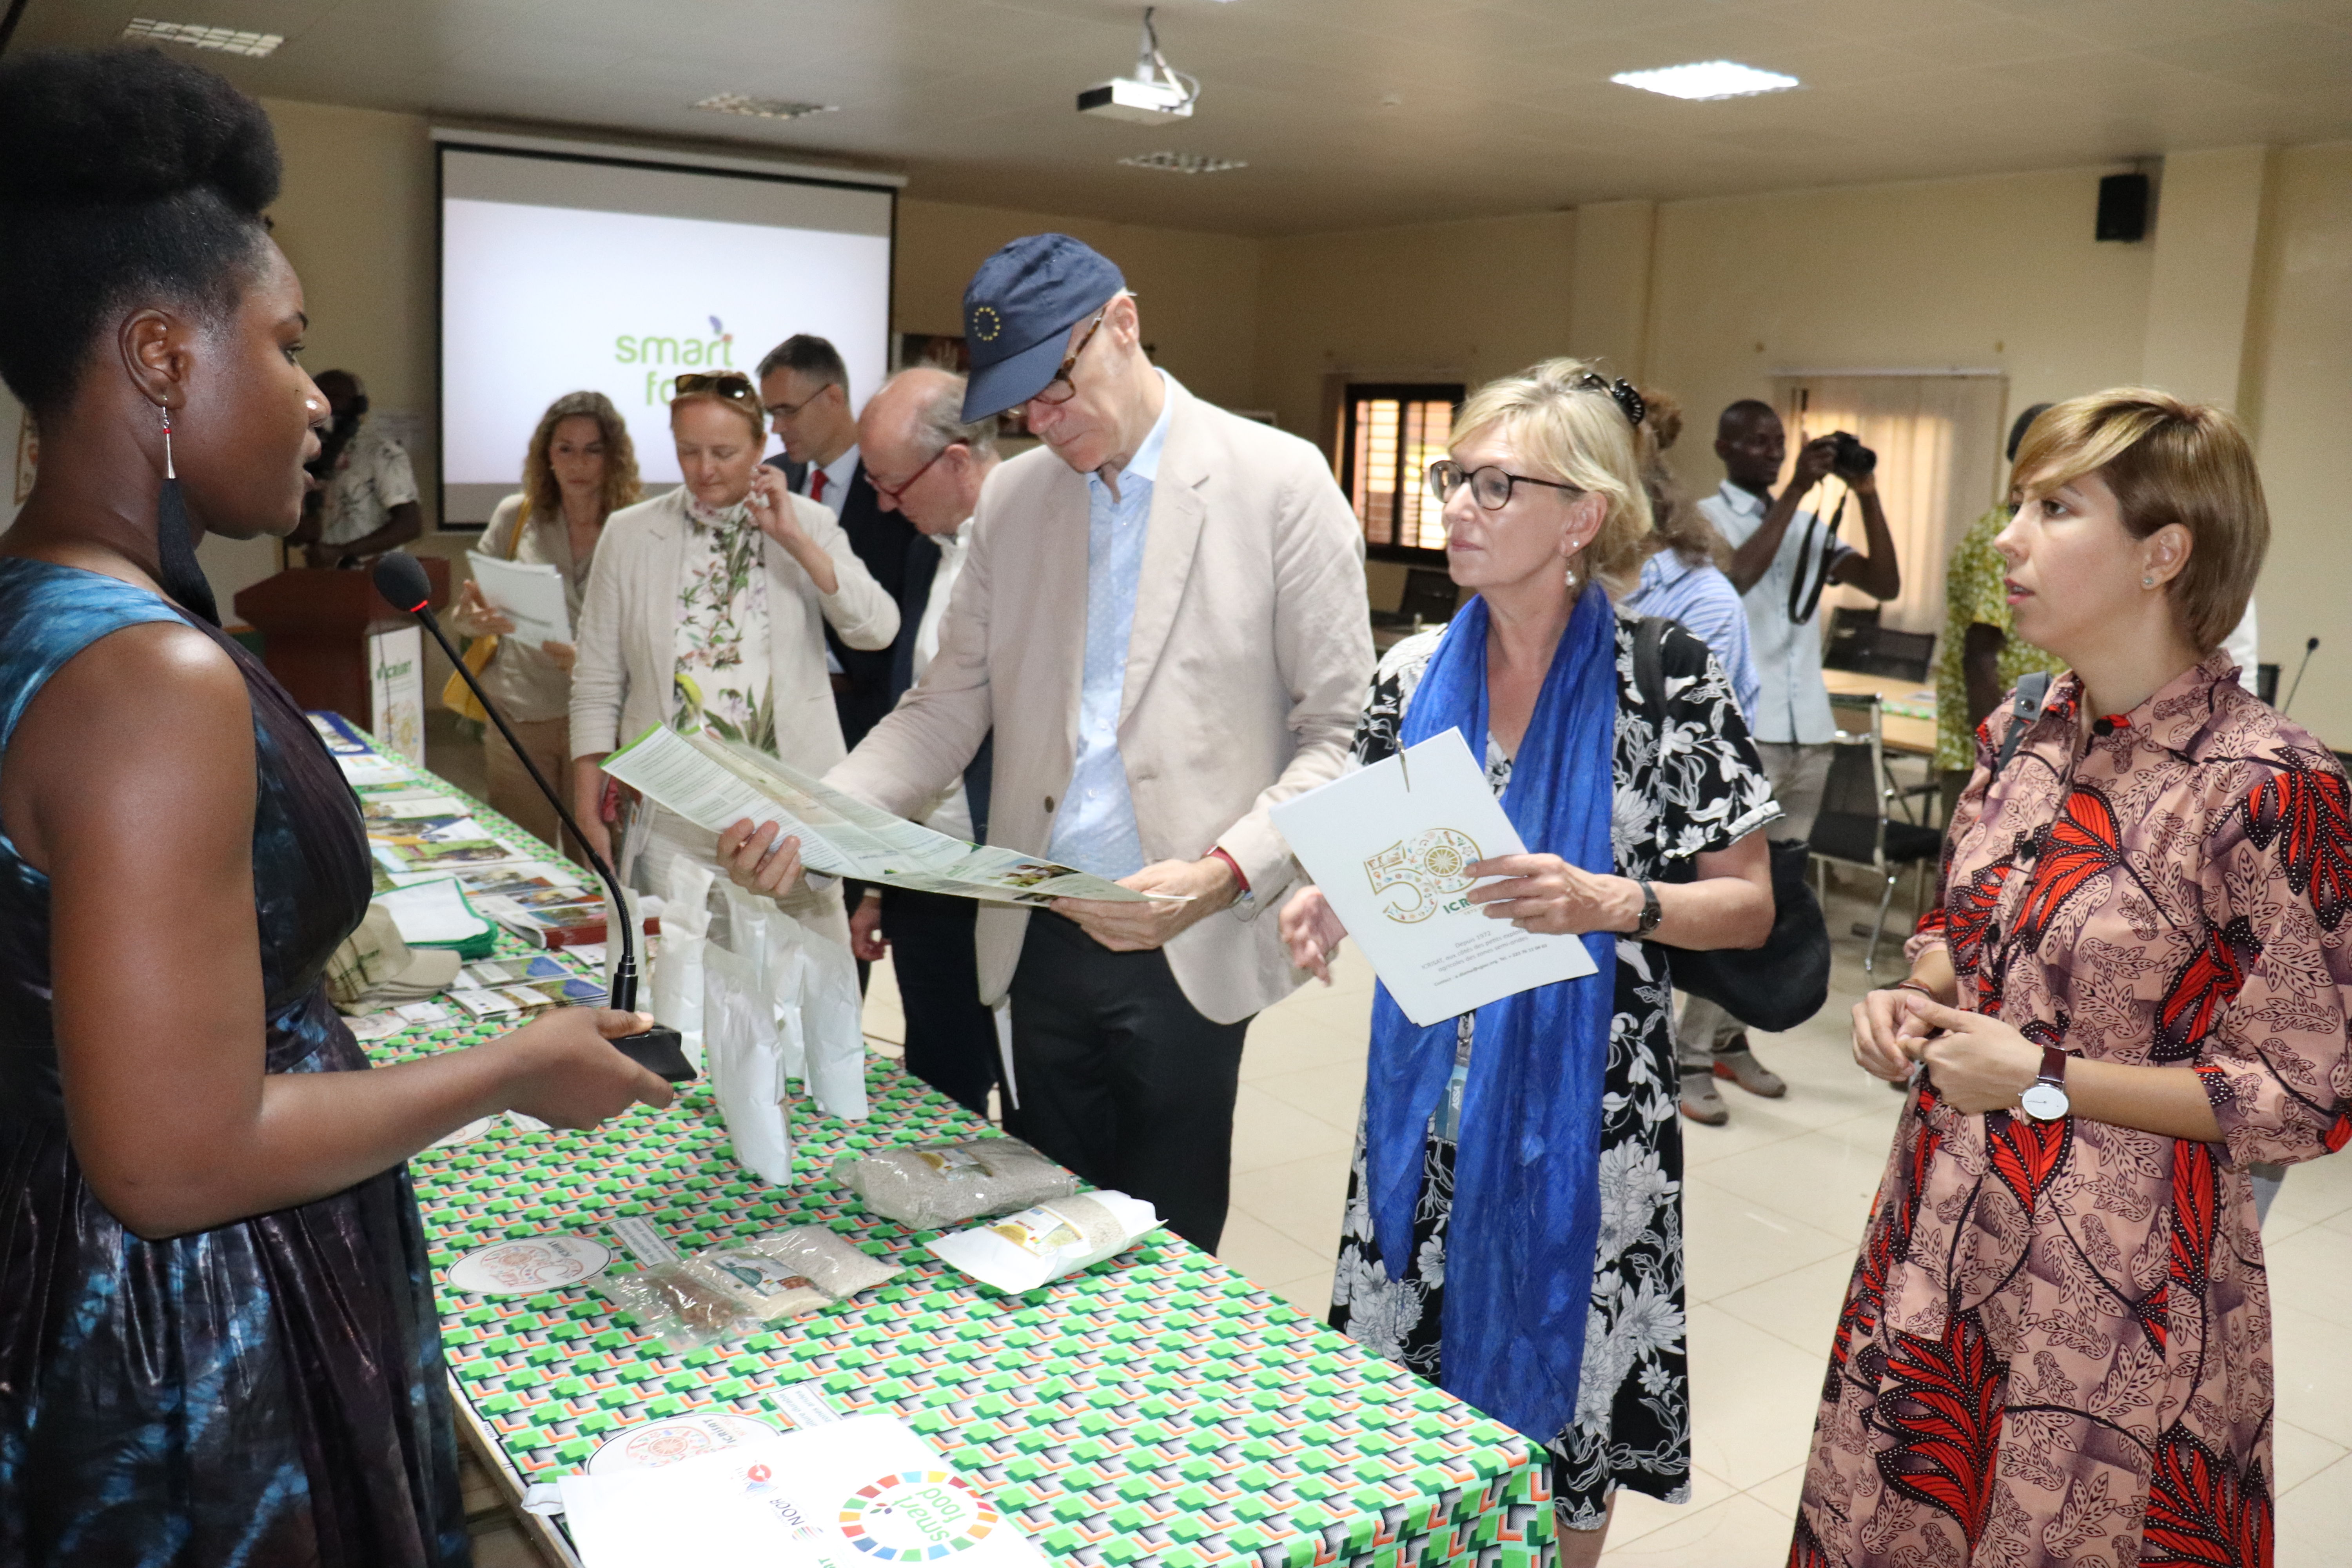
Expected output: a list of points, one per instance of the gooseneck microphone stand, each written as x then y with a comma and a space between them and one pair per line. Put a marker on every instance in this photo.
403, 584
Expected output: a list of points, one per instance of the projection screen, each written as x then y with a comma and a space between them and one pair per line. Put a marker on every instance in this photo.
565, 268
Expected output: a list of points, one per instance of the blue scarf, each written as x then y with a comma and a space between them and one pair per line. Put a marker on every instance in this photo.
1526, 1209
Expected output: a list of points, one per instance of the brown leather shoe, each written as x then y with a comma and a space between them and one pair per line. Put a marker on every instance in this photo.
1739, 1065
1701, 1103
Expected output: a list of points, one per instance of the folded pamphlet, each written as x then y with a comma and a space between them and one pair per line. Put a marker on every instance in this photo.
714, 783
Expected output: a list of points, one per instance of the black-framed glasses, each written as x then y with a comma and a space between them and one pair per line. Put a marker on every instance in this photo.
782, 411
896, 494
1061, 389
730, 384
1490, 486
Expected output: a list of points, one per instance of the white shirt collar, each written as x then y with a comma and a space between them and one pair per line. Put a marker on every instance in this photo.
838, 474
1745, 501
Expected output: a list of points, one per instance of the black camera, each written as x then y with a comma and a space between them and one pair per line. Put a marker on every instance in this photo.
1852, 457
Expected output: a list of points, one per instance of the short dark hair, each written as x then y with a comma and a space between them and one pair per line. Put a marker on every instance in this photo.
812, 356
2024, 423
123, 174
1746, 411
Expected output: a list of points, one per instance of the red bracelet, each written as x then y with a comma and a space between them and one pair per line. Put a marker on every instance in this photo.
1914, 985
1233, 865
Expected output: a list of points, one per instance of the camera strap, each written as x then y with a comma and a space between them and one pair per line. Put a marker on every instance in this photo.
1805, 584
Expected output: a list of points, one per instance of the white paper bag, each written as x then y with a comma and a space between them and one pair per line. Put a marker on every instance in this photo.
747, 1075
1023, 1251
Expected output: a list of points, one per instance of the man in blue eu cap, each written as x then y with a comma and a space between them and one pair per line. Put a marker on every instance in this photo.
1162, 615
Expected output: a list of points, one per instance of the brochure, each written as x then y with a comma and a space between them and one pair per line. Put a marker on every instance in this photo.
1391, 845
527, 593
714, 783
842, 1494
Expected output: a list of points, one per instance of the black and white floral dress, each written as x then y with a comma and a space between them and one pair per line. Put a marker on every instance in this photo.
1687, 782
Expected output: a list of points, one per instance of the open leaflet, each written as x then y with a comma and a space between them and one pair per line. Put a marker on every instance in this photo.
716, 783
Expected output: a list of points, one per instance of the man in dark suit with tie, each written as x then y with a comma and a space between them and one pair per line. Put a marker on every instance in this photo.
805, 387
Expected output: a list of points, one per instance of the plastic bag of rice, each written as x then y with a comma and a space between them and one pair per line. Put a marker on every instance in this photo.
929, 1186
736, 1288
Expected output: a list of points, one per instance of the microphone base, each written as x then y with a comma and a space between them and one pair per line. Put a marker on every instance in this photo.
660, 1051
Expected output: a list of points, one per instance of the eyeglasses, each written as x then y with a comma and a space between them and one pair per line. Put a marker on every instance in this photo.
896, 494
732, 385
1490, 486
781, 411
1061, 389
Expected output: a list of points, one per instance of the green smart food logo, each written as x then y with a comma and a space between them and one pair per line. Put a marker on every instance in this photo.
1423, 875
917, 1516
664, 356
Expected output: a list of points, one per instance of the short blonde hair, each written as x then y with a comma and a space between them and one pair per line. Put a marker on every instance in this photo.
1573, 431
2167, 461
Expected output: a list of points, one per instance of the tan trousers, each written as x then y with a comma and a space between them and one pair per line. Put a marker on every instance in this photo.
513, 796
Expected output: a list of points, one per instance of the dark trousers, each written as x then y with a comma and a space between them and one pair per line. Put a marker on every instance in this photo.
1121, 1078
950, 1037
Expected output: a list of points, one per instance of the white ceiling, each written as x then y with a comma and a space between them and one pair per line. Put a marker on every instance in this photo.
1349, 112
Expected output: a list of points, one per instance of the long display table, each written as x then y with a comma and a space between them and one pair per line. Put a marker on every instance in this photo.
1157, 1409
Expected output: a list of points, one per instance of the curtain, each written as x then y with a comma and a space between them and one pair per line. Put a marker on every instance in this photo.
1937, 438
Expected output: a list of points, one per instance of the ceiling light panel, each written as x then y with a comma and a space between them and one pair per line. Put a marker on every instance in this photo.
196, 36
763, 107
1184, 162
1707, 79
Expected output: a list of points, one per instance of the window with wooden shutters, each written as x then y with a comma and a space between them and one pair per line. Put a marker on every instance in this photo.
1389, 433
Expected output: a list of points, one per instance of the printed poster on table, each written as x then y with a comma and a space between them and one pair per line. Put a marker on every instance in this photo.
1391, 845
396, 692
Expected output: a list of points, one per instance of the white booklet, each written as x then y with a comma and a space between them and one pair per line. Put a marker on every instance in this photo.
714, 783
1391, 845
527, 593
854, 1493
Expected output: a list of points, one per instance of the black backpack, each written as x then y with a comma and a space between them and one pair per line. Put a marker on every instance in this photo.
1780, 985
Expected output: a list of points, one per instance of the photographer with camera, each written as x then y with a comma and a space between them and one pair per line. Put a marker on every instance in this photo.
1782, 559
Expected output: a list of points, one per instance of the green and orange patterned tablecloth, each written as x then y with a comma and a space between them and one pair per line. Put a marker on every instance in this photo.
1156, 1409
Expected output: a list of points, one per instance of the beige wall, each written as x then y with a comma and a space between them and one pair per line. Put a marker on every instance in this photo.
1197, 293
2303, 334
1455, 301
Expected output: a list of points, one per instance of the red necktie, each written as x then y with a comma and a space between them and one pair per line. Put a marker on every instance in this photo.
816, 486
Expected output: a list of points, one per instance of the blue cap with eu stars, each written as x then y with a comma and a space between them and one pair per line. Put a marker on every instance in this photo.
1018, 311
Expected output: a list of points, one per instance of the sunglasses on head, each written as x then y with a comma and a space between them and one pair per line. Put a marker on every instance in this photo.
732, 384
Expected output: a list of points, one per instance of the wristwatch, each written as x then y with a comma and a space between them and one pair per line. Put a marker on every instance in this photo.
1651, 913
2046, 1100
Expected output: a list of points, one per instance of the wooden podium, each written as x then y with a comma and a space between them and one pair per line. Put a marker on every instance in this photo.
315, 626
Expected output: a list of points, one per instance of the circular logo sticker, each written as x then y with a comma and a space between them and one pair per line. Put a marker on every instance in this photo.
528, 1265
916, 1516
659, 1442
986, 324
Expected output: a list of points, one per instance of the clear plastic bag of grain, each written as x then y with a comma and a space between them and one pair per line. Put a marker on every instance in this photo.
737, 1289
929, 1186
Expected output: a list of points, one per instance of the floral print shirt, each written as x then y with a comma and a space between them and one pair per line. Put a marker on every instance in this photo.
2056, 1344
722, 627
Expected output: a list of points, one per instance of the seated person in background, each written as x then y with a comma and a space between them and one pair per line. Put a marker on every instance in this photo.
1774, 545
1981, 656
704, 610
1682, 579
928, 464
365, 499
579, 470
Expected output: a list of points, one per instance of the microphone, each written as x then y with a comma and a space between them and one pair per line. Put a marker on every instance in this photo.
402, 582
2308, 649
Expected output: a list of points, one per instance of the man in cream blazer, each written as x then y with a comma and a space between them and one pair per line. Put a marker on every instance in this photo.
1162, 616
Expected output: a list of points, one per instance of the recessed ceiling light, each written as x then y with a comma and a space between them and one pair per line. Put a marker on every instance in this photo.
763, 107
1706, 78
196, 36
1183, 162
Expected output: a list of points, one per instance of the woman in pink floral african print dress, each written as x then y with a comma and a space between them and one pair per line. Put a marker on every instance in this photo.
2056, 1344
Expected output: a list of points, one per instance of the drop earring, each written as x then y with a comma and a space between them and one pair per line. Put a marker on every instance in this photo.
169, 472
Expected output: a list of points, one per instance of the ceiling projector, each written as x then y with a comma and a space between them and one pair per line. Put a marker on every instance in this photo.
1156, 93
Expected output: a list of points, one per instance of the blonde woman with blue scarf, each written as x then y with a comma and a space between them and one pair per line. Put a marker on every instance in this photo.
1513, 1227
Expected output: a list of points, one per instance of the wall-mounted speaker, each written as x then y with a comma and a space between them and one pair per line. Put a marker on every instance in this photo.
2123, 208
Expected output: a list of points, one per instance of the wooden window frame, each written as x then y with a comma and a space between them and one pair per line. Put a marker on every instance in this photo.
1351, 394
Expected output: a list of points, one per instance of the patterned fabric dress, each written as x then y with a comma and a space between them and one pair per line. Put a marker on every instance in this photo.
2056, 1344
1687, 781
722, 627
266, 1392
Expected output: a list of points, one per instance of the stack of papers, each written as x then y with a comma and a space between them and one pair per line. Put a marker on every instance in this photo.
530, 594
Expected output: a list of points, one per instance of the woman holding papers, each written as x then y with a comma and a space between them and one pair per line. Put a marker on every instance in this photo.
217, 1336
706, 609
1512, 1225
578, 471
